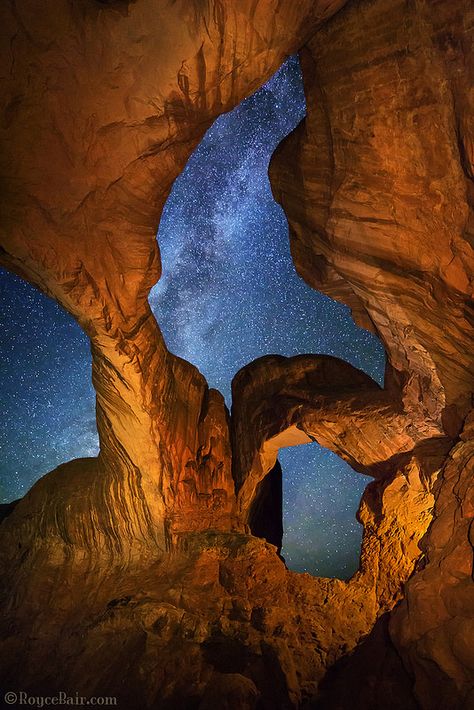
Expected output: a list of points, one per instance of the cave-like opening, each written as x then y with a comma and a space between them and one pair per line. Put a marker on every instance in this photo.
229, 292
306, 506
321, 494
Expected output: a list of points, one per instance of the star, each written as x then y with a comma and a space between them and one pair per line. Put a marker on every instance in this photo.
229, 293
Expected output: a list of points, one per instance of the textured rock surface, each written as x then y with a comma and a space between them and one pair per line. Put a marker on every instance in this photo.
434, 625
377, 185
102, 106
221, 604
135, 574
280, 401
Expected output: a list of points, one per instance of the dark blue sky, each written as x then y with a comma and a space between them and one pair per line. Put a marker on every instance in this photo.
229, 294
46, 394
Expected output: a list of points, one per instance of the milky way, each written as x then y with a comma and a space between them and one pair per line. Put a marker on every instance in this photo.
229, 294
47, 398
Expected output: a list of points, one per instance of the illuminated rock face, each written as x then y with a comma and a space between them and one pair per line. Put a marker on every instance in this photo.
377, 186
102, 108
140, 565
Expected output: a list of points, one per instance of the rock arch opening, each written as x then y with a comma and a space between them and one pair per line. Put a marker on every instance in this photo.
321, 534
306, 506
229, 292
47, 398
90, 148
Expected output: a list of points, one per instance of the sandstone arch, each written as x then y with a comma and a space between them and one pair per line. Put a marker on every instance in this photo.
280, 401
90, 150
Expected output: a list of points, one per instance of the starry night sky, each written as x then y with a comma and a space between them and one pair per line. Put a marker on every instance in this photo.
229, 294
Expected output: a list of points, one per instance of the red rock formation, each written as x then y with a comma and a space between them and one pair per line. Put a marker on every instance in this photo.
102, 108
381, 218
135, 574
280, 401
434, 626
377, 185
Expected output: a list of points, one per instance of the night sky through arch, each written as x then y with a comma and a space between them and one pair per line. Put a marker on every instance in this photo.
229, 294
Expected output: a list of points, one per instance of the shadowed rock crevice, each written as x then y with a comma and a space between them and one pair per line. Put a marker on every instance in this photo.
376, 669
266, 512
